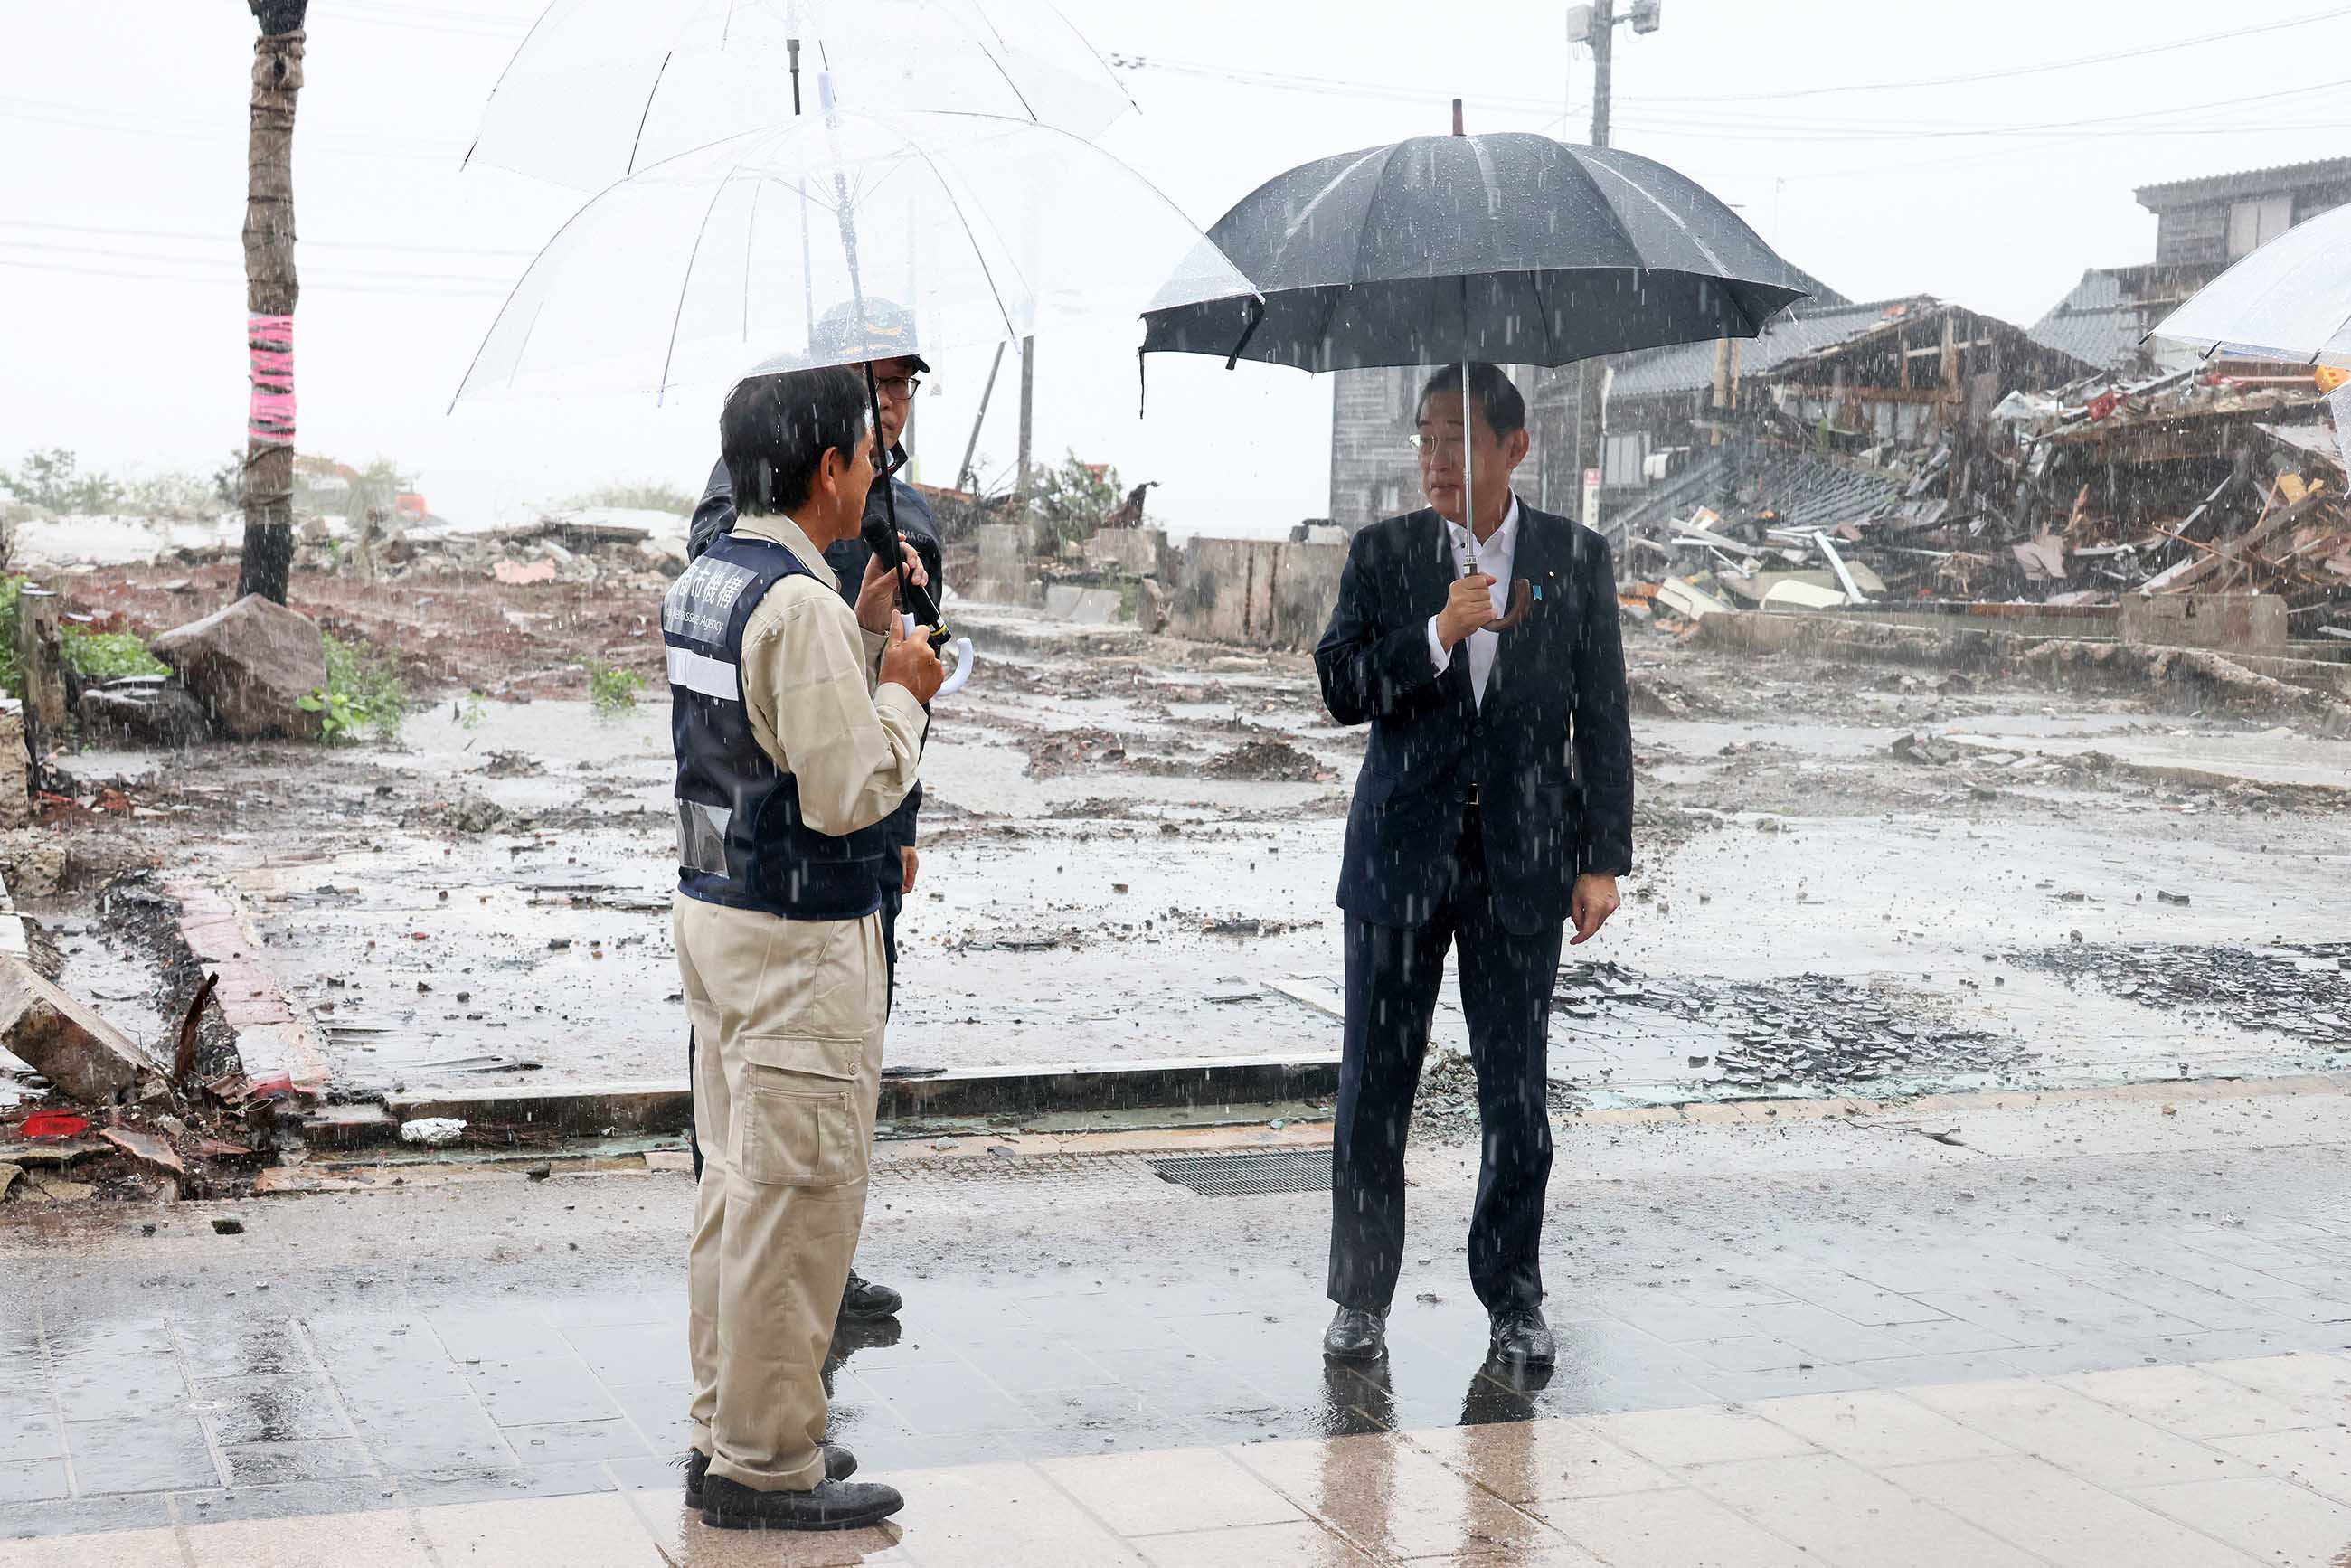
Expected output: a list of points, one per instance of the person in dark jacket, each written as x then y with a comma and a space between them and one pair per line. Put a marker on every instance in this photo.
898, 379
1494, 805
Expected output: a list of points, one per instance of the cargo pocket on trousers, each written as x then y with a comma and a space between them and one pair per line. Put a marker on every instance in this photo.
797, 1128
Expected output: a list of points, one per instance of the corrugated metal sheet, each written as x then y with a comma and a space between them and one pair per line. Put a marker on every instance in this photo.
2214, 187
2094, 323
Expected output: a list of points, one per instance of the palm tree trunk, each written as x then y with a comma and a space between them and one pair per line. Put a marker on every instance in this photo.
271, 290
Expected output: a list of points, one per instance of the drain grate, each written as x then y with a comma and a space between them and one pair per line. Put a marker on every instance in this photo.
1238, 1176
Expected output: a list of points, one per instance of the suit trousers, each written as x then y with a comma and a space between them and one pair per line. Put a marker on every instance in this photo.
789, 1017
1393, 974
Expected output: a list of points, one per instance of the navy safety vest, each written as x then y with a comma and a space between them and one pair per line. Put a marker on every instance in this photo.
741, 841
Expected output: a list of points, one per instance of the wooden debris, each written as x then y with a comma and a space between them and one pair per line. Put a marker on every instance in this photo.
147, 1151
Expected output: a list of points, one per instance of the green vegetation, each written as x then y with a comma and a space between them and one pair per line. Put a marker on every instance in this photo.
54, 481
642, 495
470, 713
1072, 501
93, 656
364, 692
12, 678
612, 690
96, 656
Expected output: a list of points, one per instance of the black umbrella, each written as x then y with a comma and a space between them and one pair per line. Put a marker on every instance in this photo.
1510, 247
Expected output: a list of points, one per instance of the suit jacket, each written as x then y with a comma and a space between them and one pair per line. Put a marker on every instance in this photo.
1550, 752
716, 516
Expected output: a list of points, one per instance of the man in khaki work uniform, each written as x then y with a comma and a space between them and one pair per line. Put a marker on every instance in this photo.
798, 724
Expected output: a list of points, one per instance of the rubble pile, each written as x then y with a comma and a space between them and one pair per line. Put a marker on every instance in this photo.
2299, 989
1268, 760
1806, 1030
1056, 752
100, 1116
2195, 482
554, 549
1444, 1106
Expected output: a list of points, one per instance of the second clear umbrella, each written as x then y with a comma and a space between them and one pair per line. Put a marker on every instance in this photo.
603, 88
841, 239
978, 230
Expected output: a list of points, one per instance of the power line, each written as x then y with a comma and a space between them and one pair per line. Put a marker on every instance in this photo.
303, 240
2004, 72
325, 285
85, 116
1336, 86
1772, 129
421, 20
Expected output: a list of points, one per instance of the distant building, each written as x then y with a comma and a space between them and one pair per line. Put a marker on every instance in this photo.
2202, 226
2211, 222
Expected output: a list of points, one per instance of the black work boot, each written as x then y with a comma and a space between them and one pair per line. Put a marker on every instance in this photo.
829, 1505
864, 1299
1522, 1338
839, 1464
1355, 1334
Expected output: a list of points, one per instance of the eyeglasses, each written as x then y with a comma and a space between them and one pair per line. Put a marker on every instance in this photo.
899, 389
1423, 442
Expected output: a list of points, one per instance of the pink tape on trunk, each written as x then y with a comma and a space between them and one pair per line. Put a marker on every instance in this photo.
270, 342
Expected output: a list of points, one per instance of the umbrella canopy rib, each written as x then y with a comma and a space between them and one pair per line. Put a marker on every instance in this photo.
686, 285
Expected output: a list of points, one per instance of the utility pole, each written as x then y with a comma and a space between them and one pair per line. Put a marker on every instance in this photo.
963, 479
1028, 414
1595, 24
1603, 59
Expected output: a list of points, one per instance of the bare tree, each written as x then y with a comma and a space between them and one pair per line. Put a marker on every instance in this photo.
271, 290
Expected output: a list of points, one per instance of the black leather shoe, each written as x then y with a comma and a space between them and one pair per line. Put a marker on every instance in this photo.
839, 1464
1355, 1334
829, 1505
1522, 1338
864, 1299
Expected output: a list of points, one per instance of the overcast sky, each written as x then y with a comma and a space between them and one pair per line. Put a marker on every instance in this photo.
122, 193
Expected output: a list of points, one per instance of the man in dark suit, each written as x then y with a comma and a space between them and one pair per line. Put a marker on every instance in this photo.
897, 380
1494, 805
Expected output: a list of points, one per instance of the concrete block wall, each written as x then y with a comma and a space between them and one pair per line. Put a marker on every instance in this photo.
1005, 574
2230, 622
1255, 592
1136, 551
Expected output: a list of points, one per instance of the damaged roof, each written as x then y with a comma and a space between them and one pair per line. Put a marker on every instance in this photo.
2097, 323
2245, 182
1809, 332
1688, 366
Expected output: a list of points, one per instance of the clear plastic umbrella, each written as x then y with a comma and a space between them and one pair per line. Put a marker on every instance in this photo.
603, 88
979, 230
839, 238
2291, 300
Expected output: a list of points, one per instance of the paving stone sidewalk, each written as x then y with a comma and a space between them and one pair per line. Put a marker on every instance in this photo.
2223, 1465
502, 1339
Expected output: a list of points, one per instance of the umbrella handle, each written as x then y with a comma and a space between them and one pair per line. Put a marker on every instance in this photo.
1256, 308
963, 659
961, 649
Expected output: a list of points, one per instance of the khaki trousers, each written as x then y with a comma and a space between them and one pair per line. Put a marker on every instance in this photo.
788, 1017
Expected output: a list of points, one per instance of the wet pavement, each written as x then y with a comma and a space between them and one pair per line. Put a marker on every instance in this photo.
496, 1339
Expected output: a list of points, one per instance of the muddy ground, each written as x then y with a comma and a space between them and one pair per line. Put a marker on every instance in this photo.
1849, 874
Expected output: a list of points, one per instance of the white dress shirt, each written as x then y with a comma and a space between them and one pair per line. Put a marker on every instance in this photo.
1495, 557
